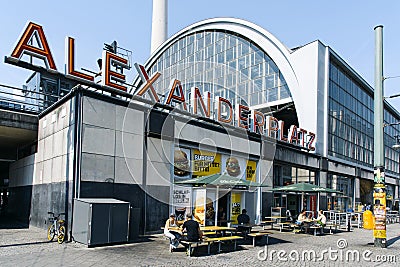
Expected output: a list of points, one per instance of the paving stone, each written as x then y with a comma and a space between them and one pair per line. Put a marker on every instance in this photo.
29, 247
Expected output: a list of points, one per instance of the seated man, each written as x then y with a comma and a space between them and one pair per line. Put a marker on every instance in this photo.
321, 219
244, 219
192, 229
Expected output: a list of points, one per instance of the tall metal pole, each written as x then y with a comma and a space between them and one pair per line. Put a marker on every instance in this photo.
379, 159
159, 24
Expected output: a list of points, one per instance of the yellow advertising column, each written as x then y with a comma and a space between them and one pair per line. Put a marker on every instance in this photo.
380, 211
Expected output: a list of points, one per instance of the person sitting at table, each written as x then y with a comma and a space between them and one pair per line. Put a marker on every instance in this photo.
173, 236
302, 217
244, 219
192, 229
321, 219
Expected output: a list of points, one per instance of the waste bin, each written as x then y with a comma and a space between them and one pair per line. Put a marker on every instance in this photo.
368, 220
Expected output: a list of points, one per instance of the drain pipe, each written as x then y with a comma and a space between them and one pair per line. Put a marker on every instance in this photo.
77, 153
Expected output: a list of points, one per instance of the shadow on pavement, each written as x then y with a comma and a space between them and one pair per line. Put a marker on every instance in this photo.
24, 244
121, 245
228, 247
274, 240
392, 240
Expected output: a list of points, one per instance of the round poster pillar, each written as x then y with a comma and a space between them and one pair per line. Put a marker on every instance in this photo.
379, 208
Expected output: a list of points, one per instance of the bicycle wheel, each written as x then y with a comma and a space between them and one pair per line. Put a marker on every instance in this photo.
61, 234
50, 232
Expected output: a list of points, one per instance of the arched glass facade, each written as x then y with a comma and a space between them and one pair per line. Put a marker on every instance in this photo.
224, 64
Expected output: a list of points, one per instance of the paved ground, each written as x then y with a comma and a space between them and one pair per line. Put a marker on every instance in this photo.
21, 246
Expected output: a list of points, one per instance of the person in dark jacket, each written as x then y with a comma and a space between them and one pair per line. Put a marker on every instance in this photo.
193, 232
243, 218
243, 222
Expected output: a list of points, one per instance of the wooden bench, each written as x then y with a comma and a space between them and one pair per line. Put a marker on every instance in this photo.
189, 245
255, 235
283, 225
219, 240
209, 233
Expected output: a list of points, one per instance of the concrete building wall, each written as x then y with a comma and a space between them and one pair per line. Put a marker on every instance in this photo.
187, 132
118, 161
309, 63
42, 182
112, 143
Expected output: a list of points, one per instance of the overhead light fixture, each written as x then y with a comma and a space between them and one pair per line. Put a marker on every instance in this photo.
397, 145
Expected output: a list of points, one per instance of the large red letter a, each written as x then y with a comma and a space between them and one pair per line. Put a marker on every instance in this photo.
42, 51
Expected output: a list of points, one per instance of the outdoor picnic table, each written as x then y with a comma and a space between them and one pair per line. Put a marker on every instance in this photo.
174, 228
213, 228
277, 219
264, 223
259, 234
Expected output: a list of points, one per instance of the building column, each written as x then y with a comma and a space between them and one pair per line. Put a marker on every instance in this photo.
323, 181
357, 192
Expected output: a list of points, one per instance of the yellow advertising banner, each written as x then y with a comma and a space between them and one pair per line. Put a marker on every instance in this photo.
235, 206
380, 211
251, 168
205, 163
380, 234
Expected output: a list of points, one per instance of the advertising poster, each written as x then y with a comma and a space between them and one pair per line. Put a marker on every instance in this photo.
199, 204
380, 234
251, 169
181, 164
380, 211
205, 163
210, 208
236, 207
181, 199
234, 166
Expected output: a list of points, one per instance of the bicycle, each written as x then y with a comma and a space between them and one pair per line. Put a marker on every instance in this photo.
57, 227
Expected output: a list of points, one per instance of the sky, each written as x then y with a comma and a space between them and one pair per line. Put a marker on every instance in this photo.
345, 26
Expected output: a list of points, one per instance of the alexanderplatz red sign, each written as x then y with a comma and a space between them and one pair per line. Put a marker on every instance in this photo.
113, 80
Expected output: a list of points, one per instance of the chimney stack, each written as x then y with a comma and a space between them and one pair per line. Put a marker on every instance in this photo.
159, 24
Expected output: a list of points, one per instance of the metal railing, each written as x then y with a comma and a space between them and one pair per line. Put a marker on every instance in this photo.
20, 99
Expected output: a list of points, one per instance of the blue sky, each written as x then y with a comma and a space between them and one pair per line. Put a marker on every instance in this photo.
345, 26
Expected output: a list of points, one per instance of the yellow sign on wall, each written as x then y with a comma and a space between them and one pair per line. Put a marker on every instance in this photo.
235, 206
205, 163
251, 168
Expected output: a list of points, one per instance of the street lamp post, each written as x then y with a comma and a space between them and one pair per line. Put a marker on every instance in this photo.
379, 159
